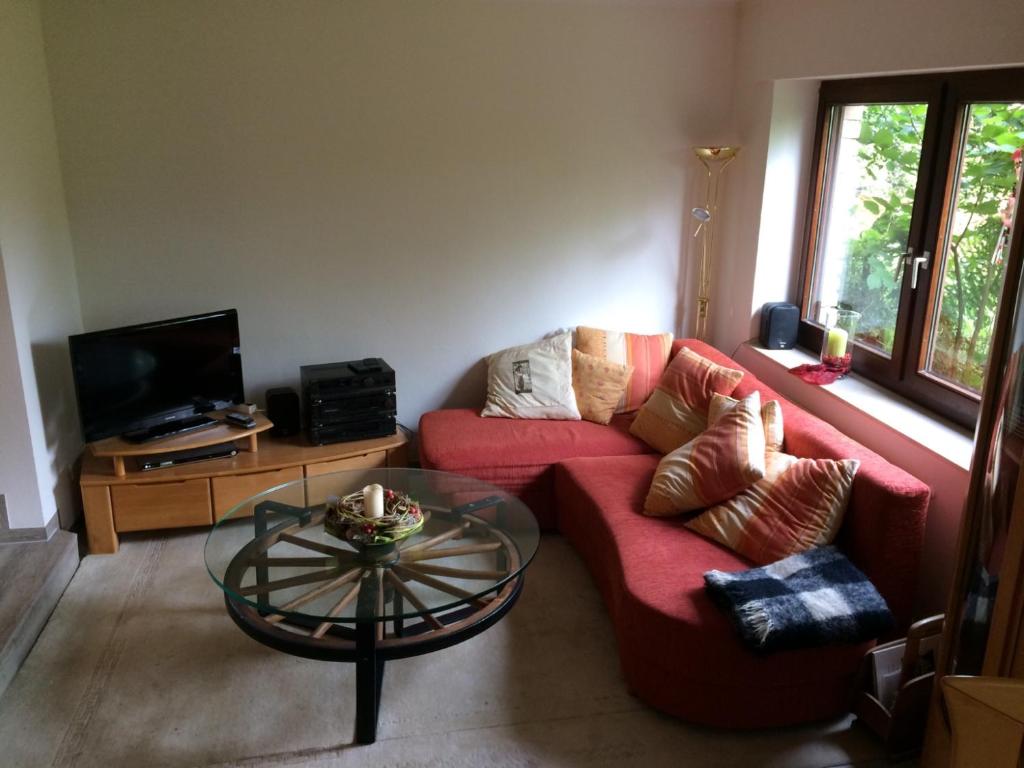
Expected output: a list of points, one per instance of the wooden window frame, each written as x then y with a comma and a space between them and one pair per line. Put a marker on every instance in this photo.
946, 95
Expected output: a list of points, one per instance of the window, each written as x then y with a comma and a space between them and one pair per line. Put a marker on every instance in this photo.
915, 186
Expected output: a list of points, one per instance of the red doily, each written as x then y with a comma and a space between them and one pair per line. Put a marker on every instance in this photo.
826, 372
816, 374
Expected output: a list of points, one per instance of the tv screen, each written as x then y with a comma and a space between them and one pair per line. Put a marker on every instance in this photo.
142, 375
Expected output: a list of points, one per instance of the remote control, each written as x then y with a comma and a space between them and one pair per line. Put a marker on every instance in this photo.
240, 420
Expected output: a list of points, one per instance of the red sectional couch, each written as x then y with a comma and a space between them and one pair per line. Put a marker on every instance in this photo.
678, 651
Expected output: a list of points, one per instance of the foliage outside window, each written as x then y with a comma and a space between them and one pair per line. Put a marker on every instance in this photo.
977, 242
915, 192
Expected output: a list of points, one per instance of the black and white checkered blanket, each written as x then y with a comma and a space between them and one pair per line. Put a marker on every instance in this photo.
817, 597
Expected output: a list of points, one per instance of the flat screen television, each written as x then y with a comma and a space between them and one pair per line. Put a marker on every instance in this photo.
141, 376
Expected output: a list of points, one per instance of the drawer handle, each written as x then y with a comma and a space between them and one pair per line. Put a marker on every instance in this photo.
159, 485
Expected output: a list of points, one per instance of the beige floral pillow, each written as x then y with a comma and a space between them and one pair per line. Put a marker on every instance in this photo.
599, 385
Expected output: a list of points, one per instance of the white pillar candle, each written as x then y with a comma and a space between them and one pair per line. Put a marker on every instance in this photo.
373, 500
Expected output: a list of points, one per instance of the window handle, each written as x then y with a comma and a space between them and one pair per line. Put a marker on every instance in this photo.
916, 263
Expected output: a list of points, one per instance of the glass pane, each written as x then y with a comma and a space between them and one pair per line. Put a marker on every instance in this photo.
975, 242
865, 219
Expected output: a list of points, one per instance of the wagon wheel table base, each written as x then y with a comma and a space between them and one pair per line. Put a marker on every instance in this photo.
293, 588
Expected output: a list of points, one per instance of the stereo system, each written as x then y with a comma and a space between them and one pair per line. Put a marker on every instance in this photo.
355, 400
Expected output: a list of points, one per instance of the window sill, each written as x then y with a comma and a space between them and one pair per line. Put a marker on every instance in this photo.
890, 411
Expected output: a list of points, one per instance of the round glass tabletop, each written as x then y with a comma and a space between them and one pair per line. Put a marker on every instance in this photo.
272, 551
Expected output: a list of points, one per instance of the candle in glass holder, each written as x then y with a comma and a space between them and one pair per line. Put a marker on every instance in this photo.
838, 341
373, 500
836, 344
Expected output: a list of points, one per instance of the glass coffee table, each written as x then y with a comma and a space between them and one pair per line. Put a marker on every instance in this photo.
291, 585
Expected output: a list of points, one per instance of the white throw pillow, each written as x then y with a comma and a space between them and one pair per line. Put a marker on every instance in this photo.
533, 381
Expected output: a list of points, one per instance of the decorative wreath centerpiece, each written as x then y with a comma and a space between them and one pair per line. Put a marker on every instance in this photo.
346, 518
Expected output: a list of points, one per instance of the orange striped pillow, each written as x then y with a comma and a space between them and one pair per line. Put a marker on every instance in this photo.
678, 410
798, 504
714, 466
648, 355
771, 417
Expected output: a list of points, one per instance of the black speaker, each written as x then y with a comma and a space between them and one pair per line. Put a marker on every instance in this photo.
780, 321
283, 410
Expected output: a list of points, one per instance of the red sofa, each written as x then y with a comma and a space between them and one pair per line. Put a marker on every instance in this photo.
678, 651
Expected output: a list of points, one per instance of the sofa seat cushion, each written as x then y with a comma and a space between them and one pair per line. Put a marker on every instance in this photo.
678, 651
518, 455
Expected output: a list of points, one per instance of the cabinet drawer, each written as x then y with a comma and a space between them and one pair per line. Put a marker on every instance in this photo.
233, 489
319, 481
375, 460
161, 505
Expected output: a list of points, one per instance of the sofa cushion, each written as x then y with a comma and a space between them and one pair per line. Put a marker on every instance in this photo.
771, 419
532, 381
678, 651
599, 385
517, 455
719, 463
677, 411
797, 505
648, 355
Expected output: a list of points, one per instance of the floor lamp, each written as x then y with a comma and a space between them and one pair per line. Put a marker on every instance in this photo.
714, 160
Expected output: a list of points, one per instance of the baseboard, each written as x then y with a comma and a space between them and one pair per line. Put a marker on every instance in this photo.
22, 535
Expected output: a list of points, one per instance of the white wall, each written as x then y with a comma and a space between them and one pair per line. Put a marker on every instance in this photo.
427, 182
41, 293
18, 481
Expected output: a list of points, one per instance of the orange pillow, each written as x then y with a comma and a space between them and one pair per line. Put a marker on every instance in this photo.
648, 355
714, 466
599, 385
678, 410
799, 504
771, 417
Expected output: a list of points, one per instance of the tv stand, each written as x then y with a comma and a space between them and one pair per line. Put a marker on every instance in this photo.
117, 448
203, 492
170, 429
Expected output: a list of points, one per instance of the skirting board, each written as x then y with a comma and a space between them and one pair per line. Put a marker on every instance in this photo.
21, 535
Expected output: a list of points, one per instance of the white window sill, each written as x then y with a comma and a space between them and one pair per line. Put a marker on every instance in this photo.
941, 437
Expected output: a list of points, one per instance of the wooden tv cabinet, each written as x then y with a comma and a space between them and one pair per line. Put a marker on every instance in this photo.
201, 493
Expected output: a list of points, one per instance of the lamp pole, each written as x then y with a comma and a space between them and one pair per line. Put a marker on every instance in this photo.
715, 160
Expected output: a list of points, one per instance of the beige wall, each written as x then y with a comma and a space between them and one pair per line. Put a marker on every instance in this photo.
40, 295
427, 182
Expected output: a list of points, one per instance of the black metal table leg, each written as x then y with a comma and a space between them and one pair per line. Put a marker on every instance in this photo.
369, 667
398, 622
